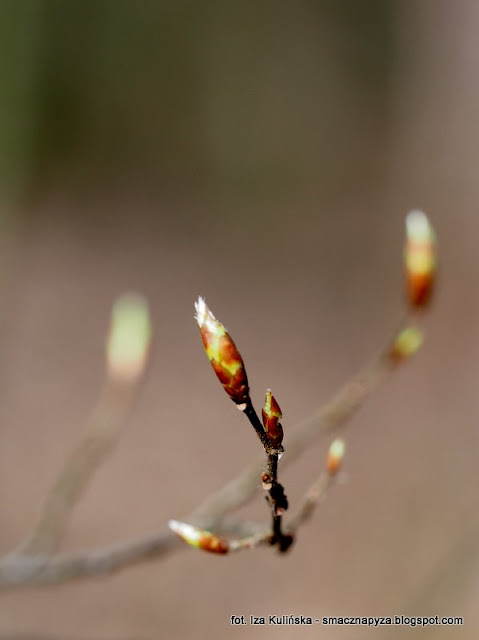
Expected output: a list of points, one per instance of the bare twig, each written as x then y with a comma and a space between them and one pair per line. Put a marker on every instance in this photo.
127, 352
313, 497
19, 569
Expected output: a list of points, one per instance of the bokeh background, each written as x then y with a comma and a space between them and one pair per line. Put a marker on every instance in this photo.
262, 154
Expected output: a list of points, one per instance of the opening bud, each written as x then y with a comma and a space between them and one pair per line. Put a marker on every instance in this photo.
199, 538
420, 259
129, 338
223, 354
271, 415
335, 456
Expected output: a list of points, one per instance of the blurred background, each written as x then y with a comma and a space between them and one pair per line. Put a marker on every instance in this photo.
262, 155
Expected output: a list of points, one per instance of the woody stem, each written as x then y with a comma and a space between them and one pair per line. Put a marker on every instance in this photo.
252, 416
276, 497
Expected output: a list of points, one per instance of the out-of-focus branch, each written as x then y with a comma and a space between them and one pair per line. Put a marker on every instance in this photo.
19, 569
320, 487
127, 351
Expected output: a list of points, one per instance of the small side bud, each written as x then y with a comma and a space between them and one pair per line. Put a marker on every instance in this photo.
223, 355
420, 259
335, 456
266, 481
271, 415
406, 344
199, 538
129, 338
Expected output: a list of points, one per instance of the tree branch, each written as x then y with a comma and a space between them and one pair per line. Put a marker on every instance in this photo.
25, 567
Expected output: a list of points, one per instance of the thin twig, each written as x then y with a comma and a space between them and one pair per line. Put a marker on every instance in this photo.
311, 500
251, 542
276, 496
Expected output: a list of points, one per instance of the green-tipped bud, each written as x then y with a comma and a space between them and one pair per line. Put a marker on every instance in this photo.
420, 259
335, 456
129, 338
199, 538
271, 416
406, 344
223, 355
